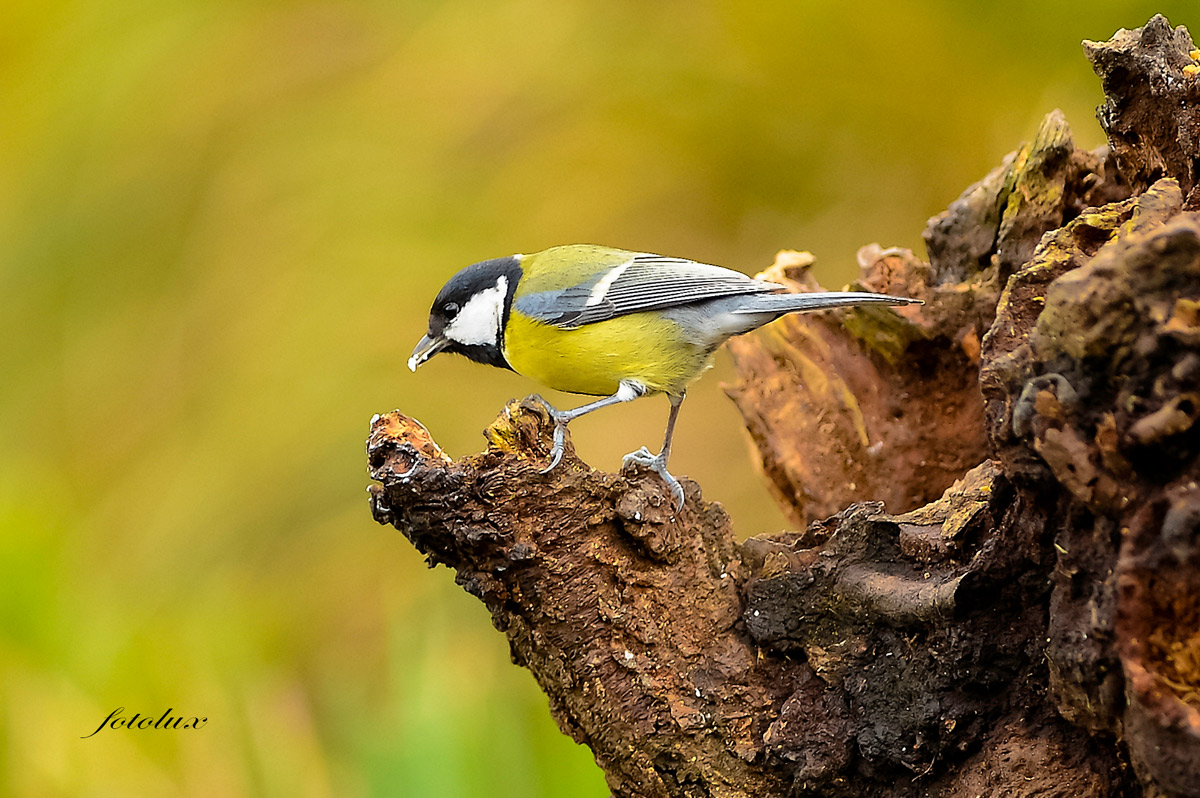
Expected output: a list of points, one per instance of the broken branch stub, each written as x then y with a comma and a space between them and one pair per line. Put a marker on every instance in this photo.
1151, 109
627, 615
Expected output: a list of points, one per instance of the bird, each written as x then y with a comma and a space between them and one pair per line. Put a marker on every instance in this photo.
611, 323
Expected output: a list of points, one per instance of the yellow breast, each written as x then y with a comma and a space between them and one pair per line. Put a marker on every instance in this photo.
593, 359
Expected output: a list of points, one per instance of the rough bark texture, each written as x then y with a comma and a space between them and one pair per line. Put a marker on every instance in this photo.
1024, 617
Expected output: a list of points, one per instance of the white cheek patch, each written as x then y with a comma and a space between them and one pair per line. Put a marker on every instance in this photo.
478, 323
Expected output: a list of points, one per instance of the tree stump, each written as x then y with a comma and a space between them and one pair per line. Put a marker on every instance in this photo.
1024, 617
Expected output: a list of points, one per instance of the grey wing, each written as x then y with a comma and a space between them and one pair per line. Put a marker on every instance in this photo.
644, 282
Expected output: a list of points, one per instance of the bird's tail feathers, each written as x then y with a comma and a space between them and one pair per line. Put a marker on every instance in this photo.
794, 303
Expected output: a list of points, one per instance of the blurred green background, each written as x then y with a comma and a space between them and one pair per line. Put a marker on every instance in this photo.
221, 226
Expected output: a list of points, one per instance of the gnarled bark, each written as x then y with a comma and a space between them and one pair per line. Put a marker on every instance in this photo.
1024, 617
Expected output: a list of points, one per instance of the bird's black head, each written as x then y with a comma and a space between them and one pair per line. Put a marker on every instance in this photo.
470, 312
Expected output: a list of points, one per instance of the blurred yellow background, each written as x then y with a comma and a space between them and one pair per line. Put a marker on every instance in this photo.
221, 227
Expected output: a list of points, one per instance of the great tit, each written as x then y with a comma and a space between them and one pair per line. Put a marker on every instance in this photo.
605, 322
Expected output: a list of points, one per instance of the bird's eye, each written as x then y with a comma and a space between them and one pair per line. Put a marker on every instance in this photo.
450, 309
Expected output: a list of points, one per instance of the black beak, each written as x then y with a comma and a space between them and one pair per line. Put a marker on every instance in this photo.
426, 348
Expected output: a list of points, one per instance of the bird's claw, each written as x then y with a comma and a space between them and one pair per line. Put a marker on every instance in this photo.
560, 420
551, 409
656, 463
556, 451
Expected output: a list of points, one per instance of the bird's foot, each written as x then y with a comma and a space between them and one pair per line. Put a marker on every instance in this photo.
658, 464
560, 420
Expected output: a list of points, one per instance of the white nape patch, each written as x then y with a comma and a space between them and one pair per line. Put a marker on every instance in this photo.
478, 323
600, 289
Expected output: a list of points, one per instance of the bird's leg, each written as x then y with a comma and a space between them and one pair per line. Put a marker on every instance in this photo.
658, 462
627, 392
